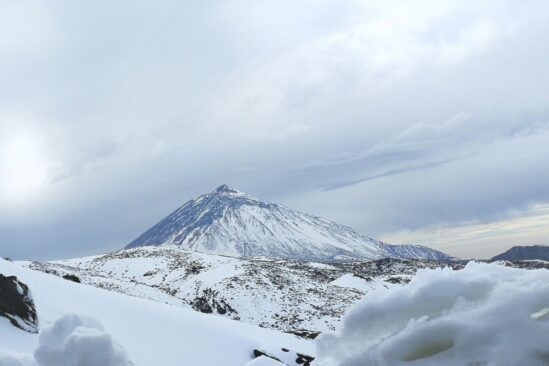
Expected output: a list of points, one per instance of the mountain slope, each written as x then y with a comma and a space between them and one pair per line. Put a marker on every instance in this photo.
229, 222
291, 296
522, 253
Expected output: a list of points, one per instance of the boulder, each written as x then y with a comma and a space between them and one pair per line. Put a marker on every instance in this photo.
16, 304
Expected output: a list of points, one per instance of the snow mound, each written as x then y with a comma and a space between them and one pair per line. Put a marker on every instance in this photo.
75, 340
484, 315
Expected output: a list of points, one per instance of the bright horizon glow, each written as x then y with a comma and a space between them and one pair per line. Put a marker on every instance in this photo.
524, 228
23, 168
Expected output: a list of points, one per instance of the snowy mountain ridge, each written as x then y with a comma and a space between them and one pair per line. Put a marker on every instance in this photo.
229, 222
290, 296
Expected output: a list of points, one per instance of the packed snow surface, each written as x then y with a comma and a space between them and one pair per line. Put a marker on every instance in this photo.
233, 223
485, 314
264, 361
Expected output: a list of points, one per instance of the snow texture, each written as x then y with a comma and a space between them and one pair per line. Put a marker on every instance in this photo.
75, 340
264, 361
485, 314
233, 223
11, 359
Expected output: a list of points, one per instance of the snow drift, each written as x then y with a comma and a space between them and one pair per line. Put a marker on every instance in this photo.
485, 314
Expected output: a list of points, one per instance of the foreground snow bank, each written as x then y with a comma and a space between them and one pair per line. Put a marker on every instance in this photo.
485, 314
152, 333
73, 340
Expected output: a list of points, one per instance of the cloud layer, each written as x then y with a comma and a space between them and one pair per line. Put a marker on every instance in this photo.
390, 118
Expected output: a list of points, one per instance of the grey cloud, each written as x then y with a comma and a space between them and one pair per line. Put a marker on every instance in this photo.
420, 116
84, 161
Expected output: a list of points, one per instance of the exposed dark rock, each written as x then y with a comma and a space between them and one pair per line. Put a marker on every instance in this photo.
300, 358
195, 268
210, 303
16, 304
397, 280
304, 360
258, 353
72, 278
303, 333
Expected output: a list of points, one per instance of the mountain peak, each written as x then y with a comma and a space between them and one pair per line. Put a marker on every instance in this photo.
225, 189
225, 192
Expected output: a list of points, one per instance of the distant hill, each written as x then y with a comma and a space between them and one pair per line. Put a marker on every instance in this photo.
522, 253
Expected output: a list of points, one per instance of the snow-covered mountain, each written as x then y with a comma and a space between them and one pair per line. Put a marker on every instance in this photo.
521, 253
233, 223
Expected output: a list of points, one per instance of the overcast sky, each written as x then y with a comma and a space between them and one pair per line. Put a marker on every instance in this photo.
412, 121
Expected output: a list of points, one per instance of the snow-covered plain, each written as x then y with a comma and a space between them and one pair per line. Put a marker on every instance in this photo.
150, 333
485, 314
